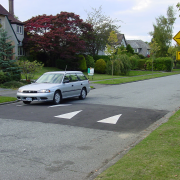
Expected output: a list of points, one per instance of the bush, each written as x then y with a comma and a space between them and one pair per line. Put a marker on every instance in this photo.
104, 57
125, 64
121, 65
141, 64
89, 61
82, 63
4, 77
160, 64
100, 66
29, 68
12, 84
134, 62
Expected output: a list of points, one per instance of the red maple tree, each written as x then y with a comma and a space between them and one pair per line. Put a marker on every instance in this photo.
62, 36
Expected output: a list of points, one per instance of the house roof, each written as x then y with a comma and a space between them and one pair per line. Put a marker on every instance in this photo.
11, 18
139, 44
120, 38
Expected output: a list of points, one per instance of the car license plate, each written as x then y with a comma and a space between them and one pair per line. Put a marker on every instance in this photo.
28, 99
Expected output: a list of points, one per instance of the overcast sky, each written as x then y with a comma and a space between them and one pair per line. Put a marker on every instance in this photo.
137, 16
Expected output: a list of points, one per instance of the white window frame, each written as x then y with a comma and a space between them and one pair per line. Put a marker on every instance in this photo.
19, 29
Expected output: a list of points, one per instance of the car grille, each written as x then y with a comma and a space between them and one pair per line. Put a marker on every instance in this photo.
29, 91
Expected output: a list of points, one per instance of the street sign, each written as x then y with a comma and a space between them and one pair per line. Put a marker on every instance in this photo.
178, 55
177, 37
90, 71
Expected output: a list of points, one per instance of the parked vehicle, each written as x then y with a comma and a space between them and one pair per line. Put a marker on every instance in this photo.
55, 86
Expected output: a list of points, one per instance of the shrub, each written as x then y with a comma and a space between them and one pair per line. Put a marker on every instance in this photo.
160, 64
12, 84
125, 64
100, 66
82, 63
3, 77
121, 65
29, 68
141, 64
134, 62
89, 61
104, 57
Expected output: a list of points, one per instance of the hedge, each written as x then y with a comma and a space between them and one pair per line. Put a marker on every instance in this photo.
160, 64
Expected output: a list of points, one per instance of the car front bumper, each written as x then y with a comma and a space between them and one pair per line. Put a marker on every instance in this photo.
35, 96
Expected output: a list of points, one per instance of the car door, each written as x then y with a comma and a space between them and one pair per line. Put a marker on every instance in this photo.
67, 87
76, 85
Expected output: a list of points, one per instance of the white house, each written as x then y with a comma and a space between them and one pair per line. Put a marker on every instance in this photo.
121, 42
13, 27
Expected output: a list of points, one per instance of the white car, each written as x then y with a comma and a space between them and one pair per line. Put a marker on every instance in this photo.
55, 86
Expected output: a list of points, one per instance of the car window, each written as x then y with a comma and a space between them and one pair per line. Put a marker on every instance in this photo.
72, 77
50, 78
81, 76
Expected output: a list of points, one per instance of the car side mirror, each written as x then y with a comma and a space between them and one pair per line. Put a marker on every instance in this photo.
33, 81
66, 81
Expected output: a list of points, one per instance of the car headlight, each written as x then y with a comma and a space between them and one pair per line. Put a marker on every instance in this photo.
20, 90
44, 91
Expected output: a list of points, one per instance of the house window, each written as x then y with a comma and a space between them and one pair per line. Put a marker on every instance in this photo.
19, 29
136, 50
148, 52
21, 51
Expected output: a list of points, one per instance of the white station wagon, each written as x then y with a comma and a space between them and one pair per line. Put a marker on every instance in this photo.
55, 86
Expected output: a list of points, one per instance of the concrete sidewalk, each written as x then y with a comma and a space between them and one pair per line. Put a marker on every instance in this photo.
8, 92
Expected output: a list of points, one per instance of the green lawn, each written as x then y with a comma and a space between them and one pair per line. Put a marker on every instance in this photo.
157, 157
7, 99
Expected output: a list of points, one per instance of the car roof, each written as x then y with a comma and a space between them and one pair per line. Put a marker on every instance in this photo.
63, 72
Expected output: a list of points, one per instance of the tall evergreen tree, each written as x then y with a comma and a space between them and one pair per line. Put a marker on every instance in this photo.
7, 64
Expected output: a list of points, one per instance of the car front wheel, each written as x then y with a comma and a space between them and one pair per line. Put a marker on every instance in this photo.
26, 102
83, 94
57, 97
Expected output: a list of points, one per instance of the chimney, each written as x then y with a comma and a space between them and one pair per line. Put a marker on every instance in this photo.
11, 7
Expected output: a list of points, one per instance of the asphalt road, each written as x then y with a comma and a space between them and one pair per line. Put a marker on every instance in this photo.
79, 139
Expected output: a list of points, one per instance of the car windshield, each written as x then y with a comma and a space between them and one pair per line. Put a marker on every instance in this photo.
50, 78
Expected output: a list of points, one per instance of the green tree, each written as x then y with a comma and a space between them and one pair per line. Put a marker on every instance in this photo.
7, 64
172, 53
130, 49
163, 31
29, 68
102, 26
154, 49
111, 47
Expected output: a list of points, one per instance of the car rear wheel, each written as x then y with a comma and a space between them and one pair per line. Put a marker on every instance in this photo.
57, 97
83, 94
26, 102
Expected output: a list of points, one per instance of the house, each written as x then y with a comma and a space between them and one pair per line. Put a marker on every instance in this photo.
139, 47
121, 42
13, 27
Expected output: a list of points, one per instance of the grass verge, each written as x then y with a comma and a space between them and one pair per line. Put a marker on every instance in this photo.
127, 79
4, 99
156, 157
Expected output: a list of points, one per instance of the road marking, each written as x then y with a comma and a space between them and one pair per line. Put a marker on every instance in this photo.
68, 115
60, 105
111, 120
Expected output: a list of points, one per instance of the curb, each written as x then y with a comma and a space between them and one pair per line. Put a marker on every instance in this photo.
9, 102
